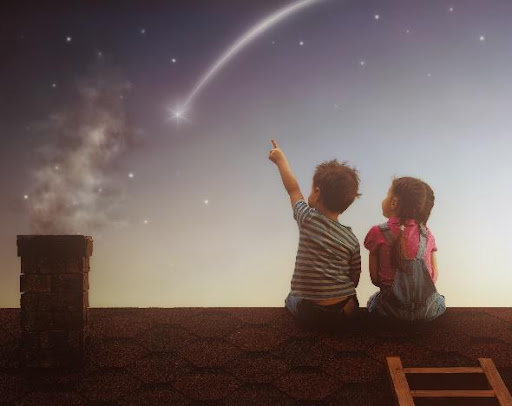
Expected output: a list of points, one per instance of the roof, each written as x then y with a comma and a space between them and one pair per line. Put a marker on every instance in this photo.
248, 356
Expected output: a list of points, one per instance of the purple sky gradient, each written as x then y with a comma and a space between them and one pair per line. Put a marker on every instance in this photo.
424, 90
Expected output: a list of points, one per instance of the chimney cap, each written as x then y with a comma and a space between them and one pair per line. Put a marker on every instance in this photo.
54, 245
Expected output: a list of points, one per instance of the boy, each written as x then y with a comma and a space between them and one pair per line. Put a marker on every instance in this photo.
328, 262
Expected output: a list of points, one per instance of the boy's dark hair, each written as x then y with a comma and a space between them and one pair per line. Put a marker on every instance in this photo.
338, 184
415, 201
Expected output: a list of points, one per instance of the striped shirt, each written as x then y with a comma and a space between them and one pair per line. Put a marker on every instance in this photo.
328, 256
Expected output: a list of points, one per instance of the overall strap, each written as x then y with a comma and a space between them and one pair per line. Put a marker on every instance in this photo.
423, 241
390, 237
386, 231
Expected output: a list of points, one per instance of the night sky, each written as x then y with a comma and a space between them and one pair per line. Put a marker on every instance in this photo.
183, 204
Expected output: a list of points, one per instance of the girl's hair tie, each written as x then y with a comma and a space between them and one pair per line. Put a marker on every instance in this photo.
402, 227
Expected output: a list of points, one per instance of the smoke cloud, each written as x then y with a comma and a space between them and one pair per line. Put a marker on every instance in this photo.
72, 191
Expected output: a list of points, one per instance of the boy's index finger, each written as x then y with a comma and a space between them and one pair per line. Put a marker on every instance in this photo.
274, 144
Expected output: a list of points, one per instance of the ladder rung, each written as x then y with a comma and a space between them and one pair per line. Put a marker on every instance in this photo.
447, 370
453, 393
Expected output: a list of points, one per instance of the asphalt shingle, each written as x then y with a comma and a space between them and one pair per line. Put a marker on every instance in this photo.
249, 356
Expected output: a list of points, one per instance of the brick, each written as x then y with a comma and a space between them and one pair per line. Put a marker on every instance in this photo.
29, 265
69, 320
46, 339
44, 265
76, 338
35, 284
72, 300
73, 339
52, 357
68, 283
45, 321
30, 302
36, 321
30, 340
53, 302
54, 339
76, 265
59, 266
54, 245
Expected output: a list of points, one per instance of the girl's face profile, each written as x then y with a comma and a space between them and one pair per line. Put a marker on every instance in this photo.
389, 204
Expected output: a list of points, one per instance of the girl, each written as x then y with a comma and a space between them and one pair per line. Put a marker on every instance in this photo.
402, 255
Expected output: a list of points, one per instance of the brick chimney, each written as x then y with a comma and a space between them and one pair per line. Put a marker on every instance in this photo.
54, 300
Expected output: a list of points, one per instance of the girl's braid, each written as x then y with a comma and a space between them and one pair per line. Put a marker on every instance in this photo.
416, 200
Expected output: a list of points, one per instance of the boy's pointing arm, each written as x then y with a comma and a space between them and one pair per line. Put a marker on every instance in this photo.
290, 183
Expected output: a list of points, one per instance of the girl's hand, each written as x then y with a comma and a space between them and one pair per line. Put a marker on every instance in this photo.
276, 154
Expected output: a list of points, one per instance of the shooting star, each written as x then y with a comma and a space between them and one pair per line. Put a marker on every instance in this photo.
179, 113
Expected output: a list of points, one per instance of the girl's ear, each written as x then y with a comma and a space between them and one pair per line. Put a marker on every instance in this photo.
394, 202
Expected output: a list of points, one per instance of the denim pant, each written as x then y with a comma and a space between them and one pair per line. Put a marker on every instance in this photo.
413, 295
315, 315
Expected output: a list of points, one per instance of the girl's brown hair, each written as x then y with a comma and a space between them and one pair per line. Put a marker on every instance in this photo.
415, 202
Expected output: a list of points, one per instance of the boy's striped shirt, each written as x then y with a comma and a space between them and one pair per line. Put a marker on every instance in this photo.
327, 257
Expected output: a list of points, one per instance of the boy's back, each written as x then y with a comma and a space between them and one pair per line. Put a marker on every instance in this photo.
328, 262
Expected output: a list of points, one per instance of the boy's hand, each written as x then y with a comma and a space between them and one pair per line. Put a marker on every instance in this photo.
276, 154
291, 185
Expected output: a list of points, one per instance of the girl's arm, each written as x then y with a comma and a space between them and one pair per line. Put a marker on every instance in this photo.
374, 268
433, 261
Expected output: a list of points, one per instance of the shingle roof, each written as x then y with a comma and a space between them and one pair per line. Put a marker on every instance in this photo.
248, 356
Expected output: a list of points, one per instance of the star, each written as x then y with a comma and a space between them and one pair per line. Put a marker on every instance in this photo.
68, 39
451, 8
177, 114
54, 85
131, 175
301, 43
143, 31
429, 75
25, 197
206, 201
273, 42
173, 60
99, 54
362, 63
146, 221
482, 38
407, 31
56, 167
100, 190
376, 17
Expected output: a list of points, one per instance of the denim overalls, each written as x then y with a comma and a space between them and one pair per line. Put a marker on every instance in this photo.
413, 295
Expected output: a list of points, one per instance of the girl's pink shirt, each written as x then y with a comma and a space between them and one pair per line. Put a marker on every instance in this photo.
376, 242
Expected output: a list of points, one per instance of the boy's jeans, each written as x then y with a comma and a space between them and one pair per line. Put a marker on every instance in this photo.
316, 315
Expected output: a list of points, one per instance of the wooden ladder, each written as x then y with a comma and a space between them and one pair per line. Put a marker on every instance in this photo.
405, 396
